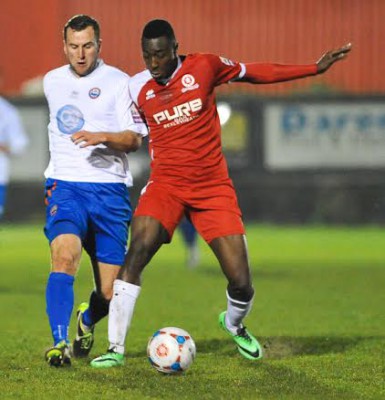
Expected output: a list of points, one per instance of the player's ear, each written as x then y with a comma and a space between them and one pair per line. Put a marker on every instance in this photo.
65, 47
99, 45
176, 45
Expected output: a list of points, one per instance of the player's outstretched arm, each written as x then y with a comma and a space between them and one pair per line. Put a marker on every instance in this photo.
330, 57
271, 73
126, 141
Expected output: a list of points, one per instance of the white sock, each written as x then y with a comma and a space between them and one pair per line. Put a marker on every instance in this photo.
120, 315
236, 312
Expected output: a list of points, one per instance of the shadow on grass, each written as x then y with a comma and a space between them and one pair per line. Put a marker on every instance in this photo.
285, 346
281, 347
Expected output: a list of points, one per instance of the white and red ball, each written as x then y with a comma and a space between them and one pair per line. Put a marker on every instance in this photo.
171, 350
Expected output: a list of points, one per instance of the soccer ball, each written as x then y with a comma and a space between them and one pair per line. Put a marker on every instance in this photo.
171, 350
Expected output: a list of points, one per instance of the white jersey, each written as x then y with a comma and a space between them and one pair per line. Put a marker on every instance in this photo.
12, 136
98, 102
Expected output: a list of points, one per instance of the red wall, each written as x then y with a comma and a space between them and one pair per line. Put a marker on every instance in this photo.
295, 31
28, 45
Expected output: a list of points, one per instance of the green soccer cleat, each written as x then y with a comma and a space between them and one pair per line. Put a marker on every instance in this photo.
84, 340
59, 355
247, 344
108, 360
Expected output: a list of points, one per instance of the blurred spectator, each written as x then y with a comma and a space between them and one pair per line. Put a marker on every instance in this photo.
13, 141
190, 239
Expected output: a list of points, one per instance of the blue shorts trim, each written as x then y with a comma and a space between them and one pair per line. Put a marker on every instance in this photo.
99, 213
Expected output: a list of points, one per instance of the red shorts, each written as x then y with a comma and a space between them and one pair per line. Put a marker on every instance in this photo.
213, 209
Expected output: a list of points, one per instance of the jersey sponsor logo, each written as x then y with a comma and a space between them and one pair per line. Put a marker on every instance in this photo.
150, 94
69, 119
179, 114
227, 61
94, 93
188, 81
135, 114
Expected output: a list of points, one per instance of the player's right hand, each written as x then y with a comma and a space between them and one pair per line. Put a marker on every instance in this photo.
85, 139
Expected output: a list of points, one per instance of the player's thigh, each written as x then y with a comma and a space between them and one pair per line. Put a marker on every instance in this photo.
110, 219
66, 211
162, 204
213, 223
66, 250
231, 252
214, 211
148, 229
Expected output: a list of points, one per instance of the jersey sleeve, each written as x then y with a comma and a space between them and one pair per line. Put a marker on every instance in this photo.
128, 115
224, 70
270, 73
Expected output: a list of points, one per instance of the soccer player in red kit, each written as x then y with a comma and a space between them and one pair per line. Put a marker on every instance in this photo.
189, 175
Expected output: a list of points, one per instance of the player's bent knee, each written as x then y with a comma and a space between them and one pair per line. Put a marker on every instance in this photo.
64, 263
242, 293
66, 253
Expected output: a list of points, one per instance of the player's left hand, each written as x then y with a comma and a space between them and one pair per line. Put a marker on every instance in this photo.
85, 139
330, 57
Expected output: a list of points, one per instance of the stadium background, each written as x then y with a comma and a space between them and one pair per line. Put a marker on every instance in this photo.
327, 166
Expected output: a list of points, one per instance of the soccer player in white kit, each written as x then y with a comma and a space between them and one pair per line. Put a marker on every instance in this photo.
93, 125
13, 141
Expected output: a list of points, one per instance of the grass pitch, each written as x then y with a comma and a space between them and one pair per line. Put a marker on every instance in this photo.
318, 311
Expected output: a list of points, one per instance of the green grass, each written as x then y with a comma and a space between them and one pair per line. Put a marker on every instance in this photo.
318, 310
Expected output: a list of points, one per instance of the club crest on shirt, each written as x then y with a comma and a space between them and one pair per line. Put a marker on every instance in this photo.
188, 81
94, 93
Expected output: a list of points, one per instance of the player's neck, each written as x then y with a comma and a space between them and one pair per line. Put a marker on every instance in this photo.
178, 64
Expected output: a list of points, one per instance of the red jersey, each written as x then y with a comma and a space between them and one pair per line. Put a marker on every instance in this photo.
184, 129
185, 142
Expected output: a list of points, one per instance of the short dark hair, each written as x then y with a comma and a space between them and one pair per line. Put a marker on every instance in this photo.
80, 22
157, 28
